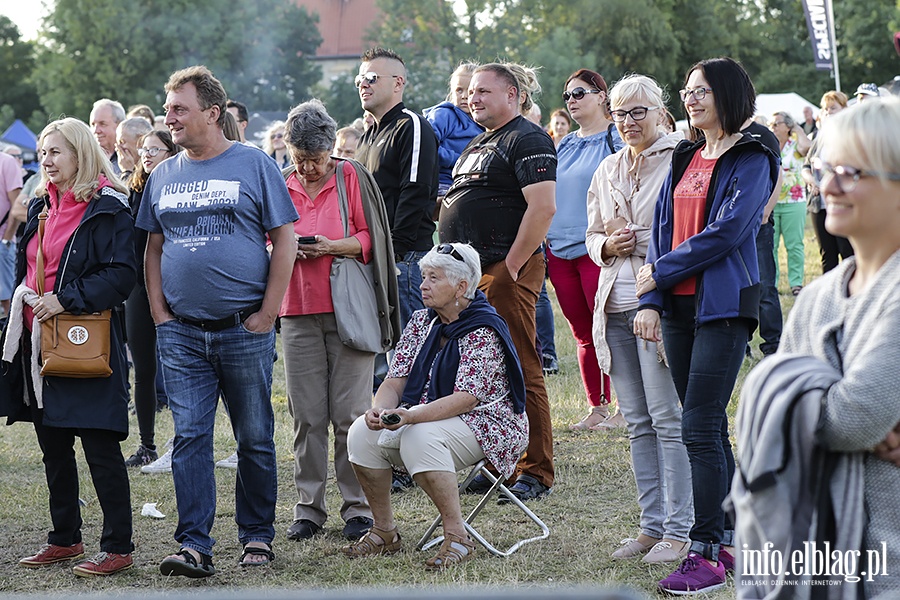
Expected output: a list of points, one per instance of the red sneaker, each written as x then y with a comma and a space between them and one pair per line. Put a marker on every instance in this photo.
51, 553
104, 563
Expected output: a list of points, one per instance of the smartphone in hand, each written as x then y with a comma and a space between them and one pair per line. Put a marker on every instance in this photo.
390, 419
306, 240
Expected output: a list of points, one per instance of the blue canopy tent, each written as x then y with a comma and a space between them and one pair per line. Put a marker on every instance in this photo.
19, 134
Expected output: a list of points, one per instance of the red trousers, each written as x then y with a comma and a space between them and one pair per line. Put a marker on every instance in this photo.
575, 282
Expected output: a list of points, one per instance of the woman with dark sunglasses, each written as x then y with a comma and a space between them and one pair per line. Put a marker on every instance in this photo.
702, 278
572, 272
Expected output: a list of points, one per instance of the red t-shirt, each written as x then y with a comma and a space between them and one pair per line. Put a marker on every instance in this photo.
689, 210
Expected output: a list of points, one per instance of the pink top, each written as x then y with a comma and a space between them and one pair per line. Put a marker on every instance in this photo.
10, 180
309, 291
63, 218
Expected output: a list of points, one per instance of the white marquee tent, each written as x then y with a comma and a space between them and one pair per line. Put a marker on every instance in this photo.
791, 103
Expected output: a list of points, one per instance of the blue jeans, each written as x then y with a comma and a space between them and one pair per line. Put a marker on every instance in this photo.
544, 322
769, 305
409, 281
705, 361
196, 365
7, 270
650, 405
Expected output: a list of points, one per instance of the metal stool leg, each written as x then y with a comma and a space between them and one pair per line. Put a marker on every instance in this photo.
497, 487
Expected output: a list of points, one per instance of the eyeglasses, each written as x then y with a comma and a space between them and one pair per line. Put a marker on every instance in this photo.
578, 93
449, 249
698, 93
16, 156
150, 151
277, 136
774, 123
845, 178
370, 78
638, 114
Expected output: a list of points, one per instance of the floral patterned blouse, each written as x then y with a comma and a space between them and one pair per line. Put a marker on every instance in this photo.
501, 433
793, 188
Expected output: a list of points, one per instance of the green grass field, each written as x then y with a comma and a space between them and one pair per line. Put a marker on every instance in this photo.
591, 509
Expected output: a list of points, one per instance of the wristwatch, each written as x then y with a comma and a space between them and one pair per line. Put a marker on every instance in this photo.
6, 242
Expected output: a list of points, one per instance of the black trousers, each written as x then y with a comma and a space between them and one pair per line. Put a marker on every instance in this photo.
109, 475
142, 342
830, 246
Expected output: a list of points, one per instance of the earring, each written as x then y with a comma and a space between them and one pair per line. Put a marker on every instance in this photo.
457, 302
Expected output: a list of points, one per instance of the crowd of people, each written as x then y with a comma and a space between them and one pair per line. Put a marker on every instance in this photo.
661, 246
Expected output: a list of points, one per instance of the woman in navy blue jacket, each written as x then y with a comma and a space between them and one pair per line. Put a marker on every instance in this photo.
702, 277
89, 256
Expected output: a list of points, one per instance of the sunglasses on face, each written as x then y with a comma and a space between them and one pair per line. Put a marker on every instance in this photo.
150, 151
578, 93
369, 78
845, 178
638, 114
277, 136
449, 249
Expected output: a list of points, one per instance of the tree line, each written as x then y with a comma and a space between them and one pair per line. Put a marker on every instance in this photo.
263, 51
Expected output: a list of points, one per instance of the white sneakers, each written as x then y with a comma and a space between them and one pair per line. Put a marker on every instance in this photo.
228, 463
163, 464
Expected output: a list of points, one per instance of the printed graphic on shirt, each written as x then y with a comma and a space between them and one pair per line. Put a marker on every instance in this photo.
474, 166
199, 212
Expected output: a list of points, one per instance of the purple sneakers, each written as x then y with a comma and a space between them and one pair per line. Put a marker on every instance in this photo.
726, 560
695, 575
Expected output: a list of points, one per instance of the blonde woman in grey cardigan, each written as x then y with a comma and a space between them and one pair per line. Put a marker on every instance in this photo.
850, 317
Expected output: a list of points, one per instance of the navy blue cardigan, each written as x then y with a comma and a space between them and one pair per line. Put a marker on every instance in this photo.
723, 255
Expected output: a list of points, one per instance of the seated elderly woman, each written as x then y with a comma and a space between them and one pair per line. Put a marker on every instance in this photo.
454, 394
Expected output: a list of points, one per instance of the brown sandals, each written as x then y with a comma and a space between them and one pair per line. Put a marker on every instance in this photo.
449, 555
373, 543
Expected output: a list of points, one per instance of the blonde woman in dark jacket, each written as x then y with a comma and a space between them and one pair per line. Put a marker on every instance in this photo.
88, 252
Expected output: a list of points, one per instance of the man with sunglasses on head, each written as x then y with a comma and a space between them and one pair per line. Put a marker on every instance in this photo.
401, 151
501, 202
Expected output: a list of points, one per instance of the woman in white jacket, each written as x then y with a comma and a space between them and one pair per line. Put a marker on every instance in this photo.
621, 201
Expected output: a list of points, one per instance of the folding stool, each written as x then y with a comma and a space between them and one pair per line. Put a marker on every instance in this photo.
425, 543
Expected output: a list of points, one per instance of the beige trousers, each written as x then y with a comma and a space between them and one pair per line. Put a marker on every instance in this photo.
327, 382
446, 445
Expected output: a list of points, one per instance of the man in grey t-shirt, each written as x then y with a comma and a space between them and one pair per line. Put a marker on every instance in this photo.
214, 295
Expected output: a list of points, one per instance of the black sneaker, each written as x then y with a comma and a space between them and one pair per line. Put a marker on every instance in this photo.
400, 480
357, 527
526, 488
143, 456
478, 486
551, 365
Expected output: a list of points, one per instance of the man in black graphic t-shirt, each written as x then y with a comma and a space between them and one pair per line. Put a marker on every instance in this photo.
502, 200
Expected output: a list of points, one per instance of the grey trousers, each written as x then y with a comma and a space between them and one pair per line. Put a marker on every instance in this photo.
649, 402
327, 382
